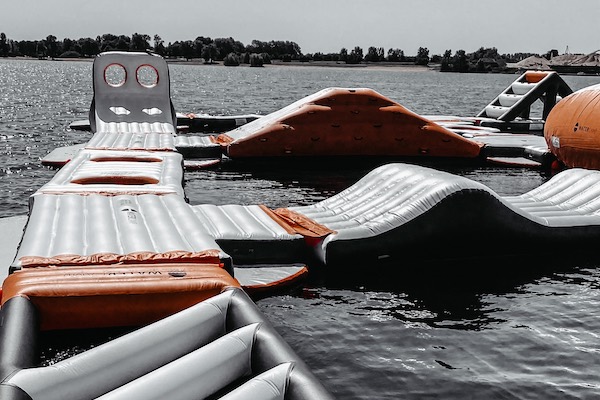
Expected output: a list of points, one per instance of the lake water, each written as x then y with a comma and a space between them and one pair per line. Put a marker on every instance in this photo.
513, 334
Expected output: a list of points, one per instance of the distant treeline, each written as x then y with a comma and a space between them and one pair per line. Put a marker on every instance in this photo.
233, 52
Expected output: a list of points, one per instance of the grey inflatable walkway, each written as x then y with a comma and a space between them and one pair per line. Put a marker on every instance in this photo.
221, 347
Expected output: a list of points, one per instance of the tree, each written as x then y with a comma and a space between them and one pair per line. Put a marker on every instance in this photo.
446, 61
51, 46
344, 54
231, 60
257, 47
89, 47
108, 42
159, 46
256, 60
265, 58
395, 55
227, 46
356, 56
139, 42
174, 50
490, 52
374, 54
123, 43
187, 49
209, 53
460, 62
40, 49
276, 49
422, 56
3, 45
67, 45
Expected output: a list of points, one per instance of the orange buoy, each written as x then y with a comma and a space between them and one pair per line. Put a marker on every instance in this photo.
572, 129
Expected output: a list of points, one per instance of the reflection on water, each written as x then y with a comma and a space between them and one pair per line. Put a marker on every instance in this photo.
515, 331
535, 340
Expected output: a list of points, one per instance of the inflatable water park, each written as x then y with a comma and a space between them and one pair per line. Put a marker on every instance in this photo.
359, 122
111, 240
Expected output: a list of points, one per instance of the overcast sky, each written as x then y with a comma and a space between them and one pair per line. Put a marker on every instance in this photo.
323, 25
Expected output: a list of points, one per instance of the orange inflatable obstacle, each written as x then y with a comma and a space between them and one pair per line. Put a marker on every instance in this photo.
114, 295
345, 122
572, 129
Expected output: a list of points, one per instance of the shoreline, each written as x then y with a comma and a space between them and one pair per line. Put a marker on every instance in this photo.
384, 65
371, 66
322, 64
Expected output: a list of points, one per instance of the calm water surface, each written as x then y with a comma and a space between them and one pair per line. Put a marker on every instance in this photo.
509, 334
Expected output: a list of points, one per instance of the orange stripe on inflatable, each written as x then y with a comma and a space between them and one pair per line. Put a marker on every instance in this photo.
535, 76
215, 139
125, 159
89, 297
116, 180
295, 223
258, 288
160, 192
222, 139
207, 256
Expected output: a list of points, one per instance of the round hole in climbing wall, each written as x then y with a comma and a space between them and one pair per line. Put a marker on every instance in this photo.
147, 76
115, 75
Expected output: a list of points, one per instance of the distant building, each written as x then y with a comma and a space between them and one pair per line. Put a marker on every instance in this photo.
577, 63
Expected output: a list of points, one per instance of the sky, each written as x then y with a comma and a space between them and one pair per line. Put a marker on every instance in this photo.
533, 26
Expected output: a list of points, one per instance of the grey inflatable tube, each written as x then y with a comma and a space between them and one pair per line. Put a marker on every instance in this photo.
223, 346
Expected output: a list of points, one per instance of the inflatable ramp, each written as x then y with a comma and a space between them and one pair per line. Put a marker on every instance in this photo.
345, 122
222, 346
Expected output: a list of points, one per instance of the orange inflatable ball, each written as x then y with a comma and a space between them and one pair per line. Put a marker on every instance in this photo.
572, 129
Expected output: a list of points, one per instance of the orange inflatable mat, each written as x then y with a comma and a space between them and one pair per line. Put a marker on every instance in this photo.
129, 295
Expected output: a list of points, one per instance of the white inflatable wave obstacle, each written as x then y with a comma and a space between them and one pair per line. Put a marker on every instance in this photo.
409, 213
